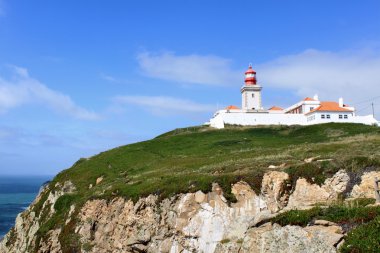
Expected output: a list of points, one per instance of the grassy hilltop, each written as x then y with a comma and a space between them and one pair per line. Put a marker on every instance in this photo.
191, 159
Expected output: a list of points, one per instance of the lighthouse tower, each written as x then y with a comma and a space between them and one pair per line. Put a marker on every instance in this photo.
251, 91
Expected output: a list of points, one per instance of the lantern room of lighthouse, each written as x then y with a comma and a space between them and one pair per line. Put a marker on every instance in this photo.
251, 91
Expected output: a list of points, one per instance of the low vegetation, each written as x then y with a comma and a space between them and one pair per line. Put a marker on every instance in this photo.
345, 214
364, 238
360, 221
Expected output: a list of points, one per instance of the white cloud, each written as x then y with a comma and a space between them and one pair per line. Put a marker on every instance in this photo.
23, 89
351, 74
109, 78
163, 105
194, 69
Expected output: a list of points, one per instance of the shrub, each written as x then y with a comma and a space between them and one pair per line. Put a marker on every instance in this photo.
63, 203
311, 172
364, 238
352, 216
297, 217
358, 163
225, 241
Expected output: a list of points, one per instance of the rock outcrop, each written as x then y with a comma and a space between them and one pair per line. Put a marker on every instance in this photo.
366, 188
274, 238
275, 190
191, 222
306, 194
22, 237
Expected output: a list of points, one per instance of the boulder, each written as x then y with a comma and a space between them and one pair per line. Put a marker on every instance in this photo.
366, 188
274, 238
306, 194
275, 190
324, 223
99, 180
311, 159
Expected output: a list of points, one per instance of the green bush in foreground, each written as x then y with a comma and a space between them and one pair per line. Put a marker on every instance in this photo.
340, 214
297, 217
362, 222
365, 238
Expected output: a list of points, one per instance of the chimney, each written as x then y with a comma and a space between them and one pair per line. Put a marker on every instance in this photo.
316, 97
340, 102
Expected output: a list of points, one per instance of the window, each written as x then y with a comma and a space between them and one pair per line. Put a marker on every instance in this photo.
328, 116
340, 116
346, 116
322, 116
311, 108
253, 95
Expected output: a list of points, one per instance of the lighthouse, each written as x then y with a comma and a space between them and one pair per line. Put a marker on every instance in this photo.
308, 111
251, 91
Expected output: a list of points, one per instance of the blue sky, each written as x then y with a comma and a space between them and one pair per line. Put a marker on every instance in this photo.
80, 77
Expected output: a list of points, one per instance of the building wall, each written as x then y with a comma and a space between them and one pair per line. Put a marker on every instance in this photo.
254, 119
322, 117
241, 118
308, 107
339, 117
302, 107
251, 98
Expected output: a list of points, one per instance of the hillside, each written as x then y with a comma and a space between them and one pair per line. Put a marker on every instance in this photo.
192, 159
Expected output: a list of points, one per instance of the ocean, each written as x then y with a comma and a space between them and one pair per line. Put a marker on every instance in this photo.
16, 194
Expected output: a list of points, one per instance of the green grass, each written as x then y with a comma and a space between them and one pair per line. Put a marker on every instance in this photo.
297, 217
313, 173
349, 215
191, 159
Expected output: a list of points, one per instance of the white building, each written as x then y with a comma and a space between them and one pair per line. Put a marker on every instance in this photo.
306, 112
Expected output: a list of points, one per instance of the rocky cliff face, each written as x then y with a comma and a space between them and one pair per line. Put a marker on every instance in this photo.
192, 222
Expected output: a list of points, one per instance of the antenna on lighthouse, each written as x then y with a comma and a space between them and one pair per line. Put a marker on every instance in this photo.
373, 110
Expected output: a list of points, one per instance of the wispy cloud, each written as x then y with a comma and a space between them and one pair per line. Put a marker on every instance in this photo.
13, 136
109, 78
22, 89
163, 105
351, 74
192, 69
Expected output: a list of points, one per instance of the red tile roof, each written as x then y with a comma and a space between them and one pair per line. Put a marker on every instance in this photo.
275, 108
309, 99
232, 107
329, 107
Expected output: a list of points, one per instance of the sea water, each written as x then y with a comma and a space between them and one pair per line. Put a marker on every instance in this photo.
16, 194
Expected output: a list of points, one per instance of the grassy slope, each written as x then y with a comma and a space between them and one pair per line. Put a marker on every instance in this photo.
190, 159
187, 160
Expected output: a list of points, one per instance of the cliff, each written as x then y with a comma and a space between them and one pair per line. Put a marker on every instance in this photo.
234, 203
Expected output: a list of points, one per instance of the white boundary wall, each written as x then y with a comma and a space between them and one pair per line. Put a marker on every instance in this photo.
223, 117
